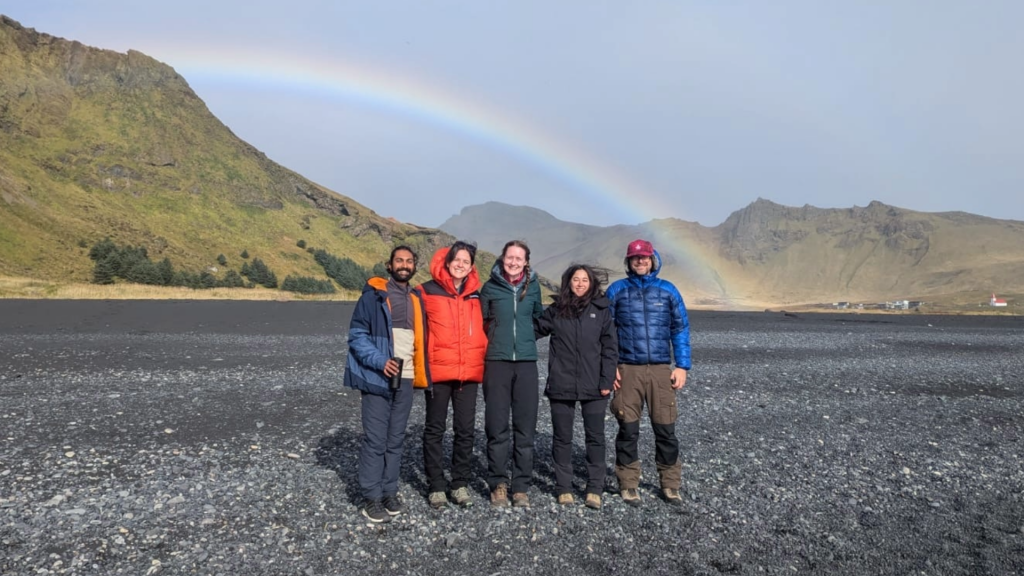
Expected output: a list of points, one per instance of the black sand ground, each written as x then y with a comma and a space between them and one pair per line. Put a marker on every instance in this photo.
215, 438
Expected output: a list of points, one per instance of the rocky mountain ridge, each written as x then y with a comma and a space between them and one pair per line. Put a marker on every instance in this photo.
770, 254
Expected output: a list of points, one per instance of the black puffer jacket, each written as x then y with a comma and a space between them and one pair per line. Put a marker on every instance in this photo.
583, 352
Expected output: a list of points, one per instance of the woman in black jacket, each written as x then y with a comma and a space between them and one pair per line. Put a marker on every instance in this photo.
582, 357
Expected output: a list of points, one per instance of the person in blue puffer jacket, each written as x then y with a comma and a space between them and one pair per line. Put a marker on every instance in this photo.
653, 334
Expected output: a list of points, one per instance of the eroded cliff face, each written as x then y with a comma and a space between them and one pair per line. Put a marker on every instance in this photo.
125, 140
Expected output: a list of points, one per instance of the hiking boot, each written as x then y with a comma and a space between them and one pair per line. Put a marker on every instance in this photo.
565, 499
520, 500
462, 498
630, 496
437, 500
499, 496
593, 501
374, 511
392, 505
671, 495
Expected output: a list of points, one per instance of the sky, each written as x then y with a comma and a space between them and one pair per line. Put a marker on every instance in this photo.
602, 112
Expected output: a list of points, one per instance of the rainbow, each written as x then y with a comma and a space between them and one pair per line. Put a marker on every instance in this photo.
499, 130
401, 95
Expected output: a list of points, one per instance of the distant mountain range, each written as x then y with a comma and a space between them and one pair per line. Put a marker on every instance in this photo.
768, 255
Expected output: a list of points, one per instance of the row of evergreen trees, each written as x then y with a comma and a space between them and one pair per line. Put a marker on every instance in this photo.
345, 271
307, 285
132, 264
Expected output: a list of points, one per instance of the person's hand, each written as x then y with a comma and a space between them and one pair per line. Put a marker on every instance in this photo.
618, 380
678, 378
605, 392
390, 368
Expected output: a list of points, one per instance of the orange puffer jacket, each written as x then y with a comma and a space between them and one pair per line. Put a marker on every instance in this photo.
456, 342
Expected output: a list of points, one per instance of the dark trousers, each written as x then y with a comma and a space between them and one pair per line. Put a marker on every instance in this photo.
380, 455
510, 387
563, 413
462, 397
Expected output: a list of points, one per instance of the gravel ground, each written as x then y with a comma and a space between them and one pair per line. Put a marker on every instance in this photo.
215, 438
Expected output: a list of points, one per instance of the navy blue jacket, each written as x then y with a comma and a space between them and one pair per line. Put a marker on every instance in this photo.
650, 318
370, 342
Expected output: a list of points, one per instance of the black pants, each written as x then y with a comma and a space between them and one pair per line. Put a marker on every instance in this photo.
562, 414
510, 387
462, 397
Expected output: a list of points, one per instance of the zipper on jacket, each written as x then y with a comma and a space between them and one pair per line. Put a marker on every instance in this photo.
647, 327
515, 317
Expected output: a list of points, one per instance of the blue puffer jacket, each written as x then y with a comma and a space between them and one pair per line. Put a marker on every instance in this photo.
650, 318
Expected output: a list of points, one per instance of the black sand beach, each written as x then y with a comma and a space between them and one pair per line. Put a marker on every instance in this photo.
141, 437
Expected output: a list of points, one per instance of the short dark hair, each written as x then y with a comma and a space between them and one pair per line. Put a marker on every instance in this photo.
415, 258
454, 250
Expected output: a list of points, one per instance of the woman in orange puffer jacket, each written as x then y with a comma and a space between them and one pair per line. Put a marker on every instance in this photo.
456, 346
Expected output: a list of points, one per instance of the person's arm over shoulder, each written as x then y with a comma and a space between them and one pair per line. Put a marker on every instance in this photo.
360, 340
544, 325
485, 302
534, 293
680, 328
612, 293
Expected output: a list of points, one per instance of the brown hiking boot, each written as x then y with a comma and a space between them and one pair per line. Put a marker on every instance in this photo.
462, 498
565, 499
593, 501
520, 500
630, 496
437, 500
672, 496
499, 496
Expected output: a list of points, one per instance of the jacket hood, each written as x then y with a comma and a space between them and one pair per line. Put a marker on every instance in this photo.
439, 272
655, 267
376, 283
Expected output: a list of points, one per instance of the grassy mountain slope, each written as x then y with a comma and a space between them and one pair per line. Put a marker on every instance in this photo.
767, 254
95, 143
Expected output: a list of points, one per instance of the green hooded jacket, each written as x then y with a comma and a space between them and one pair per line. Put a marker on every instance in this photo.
508, 319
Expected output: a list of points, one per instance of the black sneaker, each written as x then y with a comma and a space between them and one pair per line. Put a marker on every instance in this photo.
393, 505
374, 511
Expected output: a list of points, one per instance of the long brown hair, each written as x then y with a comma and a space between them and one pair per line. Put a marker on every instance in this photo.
526, 268
566, 303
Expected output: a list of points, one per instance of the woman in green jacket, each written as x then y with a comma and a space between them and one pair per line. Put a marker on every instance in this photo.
510, 301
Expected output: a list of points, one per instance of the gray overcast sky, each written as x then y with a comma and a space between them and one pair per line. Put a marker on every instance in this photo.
598, 111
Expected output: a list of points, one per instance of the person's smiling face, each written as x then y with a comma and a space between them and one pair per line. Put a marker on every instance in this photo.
403, 266
580, 283
514, 261
460, 266
640, 265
